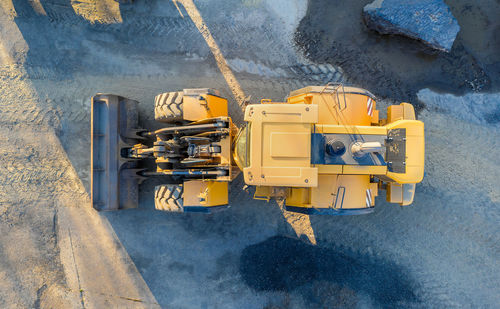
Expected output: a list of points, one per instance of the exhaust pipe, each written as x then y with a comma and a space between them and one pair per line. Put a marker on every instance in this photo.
359, 149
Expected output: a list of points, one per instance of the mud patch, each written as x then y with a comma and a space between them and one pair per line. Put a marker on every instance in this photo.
325, 276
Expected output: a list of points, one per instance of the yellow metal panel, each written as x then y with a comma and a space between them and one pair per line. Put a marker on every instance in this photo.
300, 146
269, 166
205, 193
374, 188
217, 193
335, 110
375, 117
413, 175
299, 99
324, 195
342, 105
276, 171
195, 109
355, 190
408, 111
339, 129
400, 112
408, 193
292, 113
299, 197
290, 145
262, 193
394, 192
329, 169
364, 170
395, 112
282, 176
191, 191
352, 192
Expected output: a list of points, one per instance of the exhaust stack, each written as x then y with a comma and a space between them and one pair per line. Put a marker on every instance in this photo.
359, 149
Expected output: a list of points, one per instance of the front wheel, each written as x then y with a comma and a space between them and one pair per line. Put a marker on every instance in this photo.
169, 107
169, 198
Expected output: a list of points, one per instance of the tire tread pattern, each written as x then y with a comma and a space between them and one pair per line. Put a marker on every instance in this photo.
169, 107
169, 198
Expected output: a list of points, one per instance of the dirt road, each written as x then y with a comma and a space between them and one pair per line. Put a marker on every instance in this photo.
56, 54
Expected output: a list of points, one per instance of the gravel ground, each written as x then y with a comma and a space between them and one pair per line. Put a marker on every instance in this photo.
440, 252
397, 67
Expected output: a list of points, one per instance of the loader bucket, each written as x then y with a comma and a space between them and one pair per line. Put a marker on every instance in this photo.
114, 181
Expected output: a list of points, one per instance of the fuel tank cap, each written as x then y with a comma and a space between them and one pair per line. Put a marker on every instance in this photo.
335, 148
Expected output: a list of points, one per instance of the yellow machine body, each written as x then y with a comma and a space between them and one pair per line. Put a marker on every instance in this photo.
281, 151
208, 167
279, 143
204, 106
206, 193
323, 151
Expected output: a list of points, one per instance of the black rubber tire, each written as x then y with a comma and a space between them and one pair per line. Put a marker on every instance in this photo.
169, 107
169, 198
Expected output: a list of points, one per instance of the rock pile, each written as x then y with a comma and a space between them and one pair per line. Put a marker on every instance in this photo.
429, 21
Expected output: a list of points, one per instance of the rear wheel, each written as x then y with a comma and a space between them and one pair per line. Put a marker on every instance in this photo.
169, 198
169, 107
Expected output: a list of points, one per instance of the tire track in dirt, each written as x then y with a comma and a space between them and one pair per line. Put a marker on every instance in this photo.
35, 173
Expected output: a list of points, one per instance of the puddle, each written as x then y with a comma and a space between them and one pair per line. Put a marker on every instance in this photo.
290, 265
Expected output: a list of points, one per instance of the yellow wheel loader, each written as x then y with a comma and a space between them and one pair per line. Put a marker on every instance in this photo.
323, 151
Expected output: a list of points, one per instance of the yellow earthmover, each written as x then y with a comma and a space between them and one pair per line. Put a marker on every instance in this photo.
323, 151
